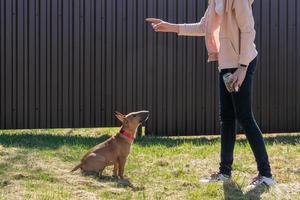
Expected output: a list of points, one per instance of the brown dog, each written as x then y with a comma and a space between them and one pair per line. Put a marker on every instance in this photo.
116, 149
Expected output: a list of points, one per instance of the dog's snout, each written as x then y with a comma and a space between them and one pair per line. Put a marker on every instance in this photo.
143, 115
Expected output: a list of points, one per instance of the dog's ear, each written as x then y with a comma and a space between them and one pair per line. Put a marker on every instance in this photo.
118, 113
119, 116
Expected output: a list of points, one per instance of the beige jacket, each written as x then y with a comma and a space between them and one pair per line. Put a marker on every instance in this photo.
228, 27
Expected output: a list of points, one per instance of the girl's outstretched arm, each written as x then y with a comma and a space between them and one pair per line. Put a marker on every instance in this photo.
191, 29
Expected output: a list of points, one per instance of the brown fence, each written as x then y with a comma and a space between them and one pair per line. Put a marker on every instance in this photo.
71, 63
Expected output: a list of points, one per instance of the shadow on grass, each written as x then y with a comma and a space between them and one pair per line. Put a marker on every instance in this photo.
234, 191
120, 182
125, 182
175, 141
48, 141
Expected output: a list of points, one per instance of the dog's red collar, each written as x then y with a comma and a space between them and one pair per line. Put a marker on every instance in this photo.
129, 136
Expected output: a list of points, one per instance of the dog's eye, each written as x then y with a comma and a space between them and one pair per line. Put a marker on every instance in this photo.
133, 115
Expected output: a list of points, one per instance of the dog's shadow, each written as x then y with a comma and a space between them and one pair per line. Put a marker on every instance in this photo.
125, 182
234, 191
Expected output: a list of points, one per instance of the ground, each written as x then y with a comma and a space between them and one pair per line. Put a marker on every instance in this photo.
35, 164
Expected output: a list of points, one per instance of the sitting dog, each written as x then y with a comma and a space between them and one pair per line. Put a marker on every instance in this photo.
115, 150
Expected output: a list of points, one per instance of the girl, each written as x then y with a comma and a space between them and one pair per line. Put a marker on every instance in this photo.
228, 27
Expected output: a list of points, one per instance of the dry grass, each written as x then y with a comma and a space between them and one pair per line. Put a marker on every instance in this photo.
35, 164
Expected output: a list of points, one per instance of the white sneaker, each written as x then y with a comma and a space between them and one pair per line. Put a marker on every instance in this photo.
216, 177
261, 180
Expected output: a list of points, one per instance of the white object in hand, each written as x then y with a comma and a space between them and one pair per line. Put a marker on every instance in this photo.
227, 80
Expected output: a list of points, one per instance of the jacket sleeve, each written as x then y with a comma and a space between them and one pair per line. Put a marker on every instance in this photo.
194, 29
245, 21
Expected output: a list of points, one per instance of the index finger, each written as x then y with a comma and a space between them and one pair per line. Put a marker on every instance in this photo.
153, 20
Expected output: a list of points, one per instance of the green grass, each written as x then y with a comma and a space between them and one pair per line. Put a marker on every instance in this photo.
35, 164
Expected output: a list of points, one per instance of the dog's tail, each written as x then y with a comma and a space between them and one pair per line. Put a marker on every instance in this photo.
77, 167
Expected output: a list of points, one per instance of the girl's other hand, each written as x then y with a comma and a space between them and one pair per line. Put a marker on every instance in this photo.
238, 78
162, 26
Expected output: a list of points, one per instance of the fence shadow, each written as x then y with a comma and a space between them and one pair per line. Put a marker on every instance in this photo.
291, 139
50, 141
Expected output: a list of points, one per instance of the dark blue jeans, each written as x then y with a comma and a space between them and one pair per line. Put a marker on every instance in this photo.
238, 106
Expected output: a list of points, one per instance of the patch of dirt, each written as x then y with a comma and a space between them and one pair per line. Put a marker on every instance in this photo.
5, 152
195, 163
117, 190
84, 195
13, 192
286, 189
